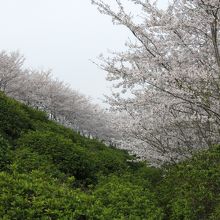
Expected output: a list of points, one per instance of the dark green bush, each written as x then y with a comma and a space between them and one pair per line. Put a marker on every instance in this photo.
25, 160
34, 114
67, 156
142, 173
4, 153
84, 163
13, 119
52, 126
191, 189
107, 160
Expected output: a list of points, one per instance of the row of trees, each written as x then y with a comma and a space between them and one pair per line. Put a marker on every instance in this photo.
167, 83
40, 90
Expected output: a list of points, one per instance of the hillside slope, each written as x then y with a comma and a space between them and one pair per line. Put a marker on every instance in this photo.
51, 172
48, 171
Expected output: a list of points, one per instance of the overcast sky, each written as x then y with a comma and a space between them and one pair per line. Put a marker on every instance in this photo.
62, 35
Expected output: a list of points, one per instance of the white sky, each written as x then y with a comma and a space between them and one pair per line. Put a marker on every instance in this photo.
62, 35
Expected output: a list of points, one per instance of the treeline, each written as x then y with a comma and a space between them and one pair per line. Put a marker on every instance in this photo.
48, 171
165, 106
63, 104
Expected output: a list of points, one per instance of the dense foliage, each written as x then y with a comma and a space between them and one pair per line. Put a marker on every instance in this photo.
167, 104
48, 171
190, 190
51, 172
167, 79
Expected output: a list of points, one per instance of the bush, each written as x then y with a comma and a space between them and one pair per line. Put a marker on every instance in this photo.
67, 156
36, 196
107, 160
85, 163
190, 190
34, 114
13, 119
54, 127
4, 153
25, 160
117, 198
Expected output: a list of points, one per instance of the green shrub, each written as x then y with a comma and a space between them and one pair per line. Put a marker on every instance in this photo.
67, 156
118, 198
107, 160
34, 114
4, 153
36, 196
54, 127
85, 163
216, 212
13, 119
191, 189
25, 160
142, 173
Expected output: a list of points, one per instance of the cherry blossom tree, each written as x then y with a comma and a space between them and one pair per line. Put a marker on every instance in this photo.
63, 104
167, 81
10, 70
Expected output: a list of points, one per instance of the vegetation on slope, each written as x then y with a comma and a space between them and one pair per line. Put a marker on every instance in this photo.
48, 171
